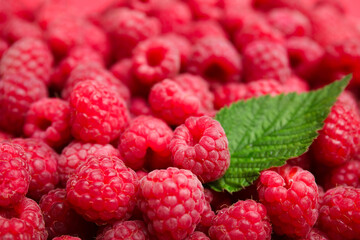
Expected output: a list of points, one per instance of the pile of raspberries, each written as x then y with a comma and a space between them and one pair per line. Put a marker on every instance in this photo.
107, 126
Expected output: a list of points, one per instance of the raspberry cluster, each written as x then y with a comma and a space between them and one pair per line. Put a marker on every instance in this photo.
107, 126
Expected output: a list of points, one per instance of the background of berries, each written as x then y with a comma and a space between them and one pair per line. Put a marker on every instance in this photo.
106, 118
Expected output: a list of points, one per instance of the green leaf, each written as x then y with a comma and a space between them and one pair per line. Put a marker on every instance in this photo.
264, 132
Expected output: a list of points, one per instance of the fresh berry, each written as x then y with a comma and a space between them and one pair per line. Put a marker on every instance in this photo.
16, 96
139, 106
97, 114
207, 218
4, 136
206, 9
183, 46
242, 220
263, 87
23, 221
197, 236
29, 58
77, 152
226, 94
172, 201
290, 196
295, 84
3, 47
49, 120
66, 237
17, 28
103, 190
315, 234
203, 29
200, 145
144, 143
347, 174
126, 230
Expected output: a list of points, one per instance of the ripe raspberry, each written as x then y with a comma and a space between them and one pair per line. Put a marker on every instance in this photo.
77, 55
226, 94
23, 221
139, 106
127, 28
295, 84
197, 236
305, 55
172, 201
242, 220
49, 120
94, 72
215, 59
315, 234
97, 114
77, 152
348, 99
144, 143
28, 57
347, 174
207, 218
206, 9
60, 218
263, 87
236, 18
303, 6
154, 60
66, 237
183, 46
264, 59
17, 28
145, 6
16, 96
126, 230
338, 141
4, 136
203, 29
200, 145
289, 22
290, 196
103, 190
15, 176
338, 213
3, 47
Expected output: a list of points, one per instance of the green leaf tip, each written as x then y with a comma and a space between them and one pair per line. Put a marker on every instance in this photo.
264, 132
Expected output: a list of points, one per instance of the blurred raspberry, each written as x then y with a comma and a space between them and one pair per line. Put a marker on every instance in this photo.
263, 87
207, 218
125, 230
4, 136
3, 47
182, 45
347, 174
17, 28
315, 234
203, 29
206, 9
226, 94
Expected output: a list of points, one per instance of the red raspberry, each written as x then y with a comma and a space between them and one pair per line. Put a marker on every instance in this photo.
236, 18
42, 162
94, 72
23, 221
207, 218
28, 57
154, 60
4, 136
183, 46
295, 84
215, 59
77, 55
347, 174
226, 94
203, 29
145, 143
315, 234
97, 114
66, 237
15, 176
3, 47
338, 141
77, 152
263, 87
338, 213
200, 145
139, 106
290, 196
289, 22
264, 59
16, 96
49, 120
206, 9
303, 6
103, 190
172, 201
141, 173
145, 6
126, 230
17, 28
242, 220
348, 99
127, 28
305, 55
60, 218
197, 236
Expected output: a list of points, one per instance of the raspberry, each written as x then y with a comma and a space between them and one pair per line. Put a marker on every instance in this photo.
242, 220
172, 201
3, 47
338, 141
145, 143
66, 237
200, 145
315, 234
236, 18
97, 114
77, 152
347, 174
303, 6
126, 230
23, 221
263, 87
289, 22
207, 218
127, 28
77, 55
203, 29
49, 120
290, 196
139, 106
141, 173
229, 93
60, 218
4, 136
348, 99
338, 213
16, 96
215, 59
17, 28
264, 59
182, 45
103, 190
94, 72
206, 9
170, 102
304, 54
296, 84
197, 236
15, 176
28, 57
154, 60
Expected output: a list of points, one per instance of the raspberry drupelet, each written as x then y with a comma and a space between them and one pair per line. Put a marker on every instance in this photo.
226, 94
125, 230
